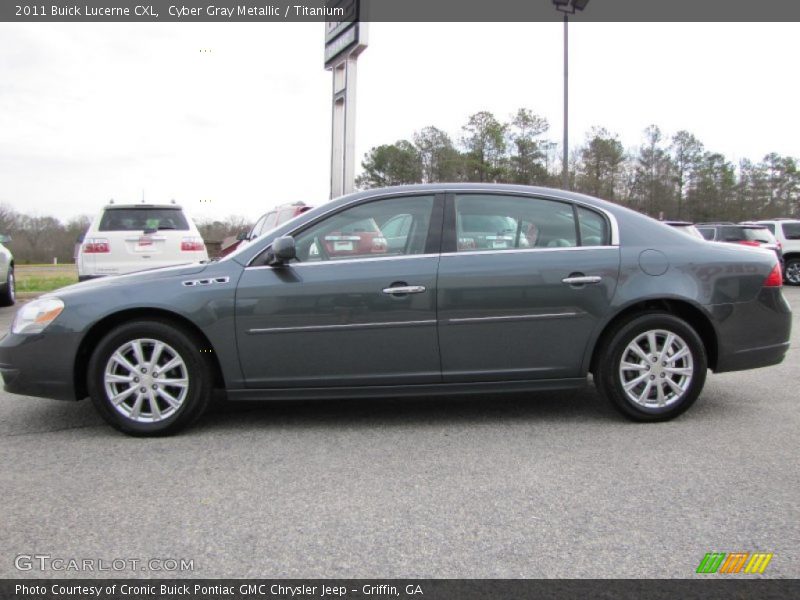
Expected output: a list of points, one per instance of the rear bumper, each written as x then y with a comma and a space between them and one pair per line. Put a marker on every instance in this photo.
752, 334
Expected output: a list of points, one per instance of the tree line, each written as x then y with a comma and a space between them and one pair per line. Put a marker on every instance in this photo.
670, 177
40, 239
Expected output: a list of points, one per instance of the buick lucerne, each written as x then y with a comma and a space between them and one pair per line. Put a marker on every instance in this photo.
415, 290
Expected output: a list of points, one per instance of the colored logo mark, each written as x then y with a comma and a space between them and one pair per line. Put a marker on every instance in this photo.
734, 562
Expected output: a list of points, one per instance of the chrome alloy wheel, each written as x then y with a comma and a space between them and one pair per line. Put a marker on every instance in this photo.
146, 380
656, 369
793, 272
12, 286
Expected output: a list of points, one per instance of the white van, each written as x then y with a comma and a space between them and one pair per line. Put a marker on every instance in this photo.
132, 237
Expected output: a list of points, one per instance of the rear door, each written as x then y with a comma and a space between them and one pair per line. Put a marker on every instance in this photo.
523, 283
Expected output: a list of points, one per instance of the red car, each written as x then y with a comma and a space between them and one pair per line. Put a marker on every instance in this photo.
362, 238
277, 216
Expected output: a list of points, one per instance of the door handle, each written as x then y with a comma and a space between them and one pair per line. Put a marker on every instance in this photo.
405, 289
582, 279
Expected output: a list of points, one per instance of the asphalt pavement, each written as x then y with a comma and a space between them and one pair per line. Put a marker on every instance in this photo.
518, 486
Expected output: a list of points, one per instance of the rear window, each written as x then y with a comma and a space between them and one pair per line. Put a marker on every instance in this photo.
759, 234
139, 219
791, 231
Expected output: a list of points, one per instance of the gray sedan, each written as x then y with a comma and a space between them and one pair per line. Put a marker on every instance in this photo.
416, 290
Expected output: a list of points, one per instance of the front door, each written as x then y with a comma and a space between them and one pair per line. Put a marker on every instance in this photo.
353, 309
523, 283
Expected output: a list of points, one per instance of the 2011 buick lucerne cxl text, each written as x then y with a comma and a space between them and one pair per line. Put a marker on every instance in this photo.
416, 290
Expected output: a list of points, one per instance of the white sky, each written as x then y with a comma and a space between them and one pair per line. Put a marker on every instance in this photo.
90, 112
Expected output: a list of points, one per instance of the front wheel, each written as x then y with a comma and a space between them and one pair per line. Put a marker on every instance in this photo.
652, 367
792, 272
148, 378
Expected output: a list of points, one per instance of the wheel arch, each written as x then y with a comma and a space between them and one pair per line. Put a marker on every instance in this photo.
97, 331
684, 309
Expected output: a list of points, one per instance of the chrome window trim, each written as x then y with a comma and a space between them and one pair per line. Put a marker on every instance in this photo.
611, 218
362, 200
342, 326
521, 250
446, 190
350, 261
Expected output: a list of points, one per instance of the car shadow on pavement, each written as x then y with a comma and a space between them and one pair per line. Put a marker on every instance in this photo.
551, 406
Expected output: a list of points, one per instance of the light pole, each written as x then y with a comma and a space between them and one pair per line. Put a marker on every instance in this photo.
568, 7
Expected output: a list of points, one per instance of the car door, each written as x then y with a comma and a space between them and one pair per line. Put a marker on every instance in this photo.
523, 282
349, 310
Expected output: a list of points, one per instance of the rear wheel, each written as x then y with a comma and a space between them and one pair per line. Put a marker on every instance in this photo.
148, 378
792, 272
9, 293
652, 367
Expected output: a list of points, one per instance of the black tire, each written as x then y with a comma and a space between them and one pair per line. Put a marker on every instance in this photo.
8, 295
791, 271
609, 380
195, 368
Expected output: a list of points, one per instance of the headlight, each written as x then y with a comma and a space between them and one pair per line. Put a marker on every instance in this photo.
36, 315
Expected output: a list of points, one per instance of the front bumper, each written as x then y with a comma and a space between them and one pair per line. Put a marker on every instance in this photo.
39, 365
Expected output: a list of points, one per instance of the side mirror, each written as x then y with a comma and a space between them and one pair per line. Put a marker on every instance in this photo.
242, 236
4, 239
282, 251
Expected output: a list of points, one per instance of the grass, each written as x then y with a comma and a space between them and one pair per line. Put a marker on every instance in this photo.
44, 278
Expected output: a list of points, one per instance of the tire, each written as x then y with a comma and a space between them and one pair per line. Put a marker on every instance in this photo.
8, 295
163, 409
686, 367
792, 271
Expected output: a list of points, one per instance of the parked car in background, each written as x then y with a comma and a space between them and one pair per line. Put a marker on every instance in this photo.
277, 216
8, 284
686, 227
598, 289
131, 237
753, 235
787, 232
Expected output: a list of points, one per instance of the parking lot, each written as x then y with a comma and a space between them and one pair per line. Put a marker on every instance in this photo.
507, 486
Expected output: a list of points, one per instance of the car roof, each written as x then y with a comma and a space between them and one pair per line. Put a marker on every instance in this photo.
140, 205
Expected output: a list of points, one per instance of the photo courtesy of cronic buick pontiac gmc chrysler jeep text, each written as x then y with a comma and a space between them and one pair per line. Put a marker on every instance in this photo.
413, 290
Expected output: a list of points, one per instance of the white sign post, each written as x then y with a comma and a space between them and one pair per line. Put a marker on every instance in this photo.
344, 41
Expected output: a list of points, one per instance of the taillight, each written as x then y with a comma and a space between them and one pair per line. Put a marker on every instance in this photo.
775, 277
749, 243
96, 246
192, 244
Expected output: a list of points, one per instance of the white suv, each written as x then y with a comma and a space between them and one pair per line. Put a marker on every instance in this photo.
132, 237
787, 232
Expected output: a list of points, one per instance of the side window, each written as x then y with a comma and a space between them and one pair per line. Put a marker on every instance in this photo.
593, 227
706, 232
791, 231
494, 222
361, 231
732, 234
